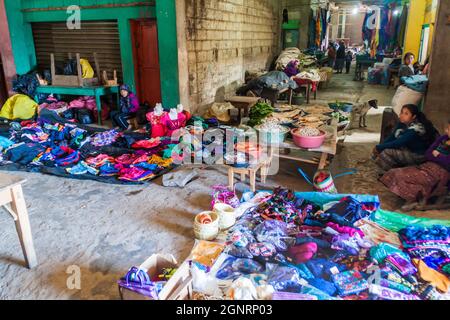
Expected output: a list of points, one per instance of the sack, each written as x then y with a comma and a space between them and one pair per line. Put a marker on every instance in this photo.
405, 96
323, 180
70, 69
19, 107
85, 116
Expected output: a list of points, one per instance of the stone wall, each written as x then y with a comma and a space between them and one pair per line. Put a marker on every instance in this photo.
224, 39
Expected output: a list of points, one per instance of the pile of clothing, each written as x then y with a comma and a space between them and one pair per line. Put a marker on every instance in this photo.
286, 245
54, 146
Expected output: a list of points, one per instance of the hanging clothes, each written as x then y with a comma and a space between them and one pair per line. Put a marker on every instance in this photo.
318, 39
402, 28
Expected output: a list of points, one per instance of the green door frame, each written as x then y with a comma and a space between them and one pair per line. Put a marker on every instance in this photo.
164, 11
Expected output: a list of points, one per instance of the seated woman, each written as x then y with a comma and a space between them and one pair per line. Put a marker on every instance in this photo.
407, 69
128, 106
408, 143
432, 178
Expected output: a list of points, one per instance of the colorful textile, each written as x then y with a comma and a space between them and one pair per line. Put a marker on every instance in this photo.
135, 174
396, 158
158, 129
146, 144
435, 278
350, 282
105, 138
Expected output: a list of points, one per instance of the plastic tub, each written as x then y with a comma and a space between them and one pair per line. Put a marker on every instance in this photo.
227, 215
308, 142
272, 137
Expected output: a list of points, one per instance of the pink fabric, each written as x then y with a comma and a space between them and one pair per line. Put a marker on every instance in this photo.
84, 102
347, 230
173, 125
158, 128
303, 253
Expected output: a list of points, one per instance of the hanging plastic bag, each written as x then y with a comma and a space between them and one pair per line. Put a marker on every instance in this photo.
87, 71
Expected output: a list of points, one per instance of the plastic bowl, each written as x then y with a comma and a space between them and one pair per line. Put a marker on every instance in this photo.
308, 142
272, 137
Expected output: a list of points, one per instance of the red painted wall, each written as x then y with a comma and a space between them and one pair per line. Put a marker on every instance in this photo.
9, 68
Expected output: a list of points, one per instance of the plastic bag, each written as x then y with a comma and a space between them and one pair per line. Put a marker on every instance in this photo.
243, 289
233, 268
396, 221
283, 278
382, 251
241, 237
239, 252
274, 232
206, 253
223, 195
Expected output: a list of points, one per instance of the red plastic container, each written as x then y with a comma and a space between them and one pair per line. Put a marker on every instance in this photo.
308, 142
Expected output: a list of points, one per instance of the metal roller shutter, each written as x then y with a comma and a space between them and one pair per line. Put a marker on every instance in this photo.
94, 36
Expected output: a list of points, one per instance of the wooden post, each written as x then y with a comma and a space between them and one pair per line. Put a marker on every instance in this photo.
52, 65
97, 66
80, 72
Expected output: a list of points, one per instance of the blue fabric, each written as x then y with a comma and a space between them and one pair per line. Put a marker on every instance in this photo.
5, 143
325, 286
417, 83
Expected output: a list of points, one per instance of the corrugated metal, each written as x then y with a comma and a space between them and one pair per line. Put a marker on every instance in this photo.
96, 36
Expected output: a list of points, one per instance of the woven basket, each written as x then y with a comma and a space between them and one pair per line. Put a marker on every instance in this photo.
208, 231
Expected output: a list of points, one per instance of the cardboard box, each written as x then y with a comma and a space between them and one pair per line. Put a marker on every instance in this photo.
154, 265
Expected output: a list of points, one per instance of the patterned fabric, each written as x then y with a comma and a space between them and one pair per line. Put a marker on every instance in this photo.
396, 158
412, 183
106, 138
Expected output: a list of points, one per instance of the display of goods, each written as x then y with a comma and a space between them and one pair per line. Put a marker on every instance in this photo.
259, 112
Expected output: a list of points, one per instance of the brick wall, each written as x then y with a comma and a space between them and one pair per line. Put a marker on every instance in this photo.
224, 39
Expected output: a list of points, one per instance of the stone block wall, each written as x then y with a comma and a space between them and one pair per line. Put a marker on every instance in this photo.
225, 38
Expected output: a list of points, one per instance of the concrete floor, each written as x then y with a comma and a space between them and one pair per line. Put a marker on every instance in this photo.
104, 229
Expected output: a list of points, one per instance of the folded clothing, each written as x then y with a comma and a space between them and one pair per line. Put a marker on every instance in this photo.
24, 153
349, 282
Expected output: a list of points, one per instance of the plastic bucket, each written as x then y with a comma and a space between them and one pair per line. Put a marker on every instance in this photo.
308, 142
207, 231
227, 215
272, 137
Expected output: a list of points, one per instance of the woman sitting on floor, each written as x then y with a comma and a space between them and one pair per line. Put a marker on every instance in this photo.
429, 179
407, 145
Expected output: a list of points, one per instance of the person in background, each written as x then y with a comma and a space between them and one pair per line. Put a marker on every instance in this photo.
340, 57
128, 106
408, 143
407, 69
348, 61
331, 55
419, 183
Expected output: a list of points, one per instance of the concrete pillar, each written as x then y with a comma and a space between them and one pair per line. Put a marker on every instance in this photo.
438, 97
183, 68
6, 52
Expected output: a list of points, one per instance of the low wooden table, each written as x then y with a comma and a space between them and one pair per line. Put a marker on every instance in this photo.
11, 198
263, 166
329, 148
96, 91
242, 103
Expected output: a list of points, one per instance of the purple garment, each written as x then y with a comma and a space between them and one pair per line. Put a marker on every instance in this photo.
442, 160
291, 69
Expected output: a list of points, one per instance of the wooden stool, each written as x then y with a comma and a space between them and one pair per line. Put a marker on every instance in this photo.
11, 198
262, 166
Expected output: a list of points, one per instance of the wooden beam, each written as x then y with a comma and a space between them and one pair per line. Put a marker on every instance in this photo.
116, 5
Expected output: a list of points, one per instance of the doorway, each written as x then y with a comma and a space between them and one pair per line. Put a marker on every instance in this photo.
3, 90
146, 60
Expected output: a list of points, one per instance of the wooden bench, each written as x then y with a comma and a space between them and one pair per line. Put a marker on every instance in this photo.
263, 166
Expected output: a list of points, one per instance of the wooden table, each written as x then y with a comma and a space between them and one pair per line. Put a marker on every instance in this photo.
263, 166
242, 103
11, 198
96, 91
328, 149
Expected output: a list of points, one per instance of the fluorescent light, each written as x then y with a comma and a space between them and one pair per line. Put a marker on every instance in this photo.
355, 10
396, 12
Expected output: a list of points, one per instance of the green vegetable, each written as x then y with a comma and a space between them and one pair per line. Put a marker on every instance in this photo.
259, 112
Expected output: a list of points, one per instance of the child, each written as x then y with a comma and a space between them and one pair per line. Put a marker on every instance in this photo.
128, 106
348, 61
408, 143
415, 184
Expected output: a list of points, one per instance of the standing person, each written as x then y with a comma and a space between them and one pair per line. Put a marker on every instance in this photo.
340, 57
419, 183
348, 61
408, 143
128, 106
331, 55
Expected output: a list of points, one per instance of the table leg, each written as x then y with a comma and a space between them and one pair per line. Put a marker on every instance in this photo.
243, 175
264, 170
308, 93
98, 101
253, 180
323, 161
231, 179
19, 206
